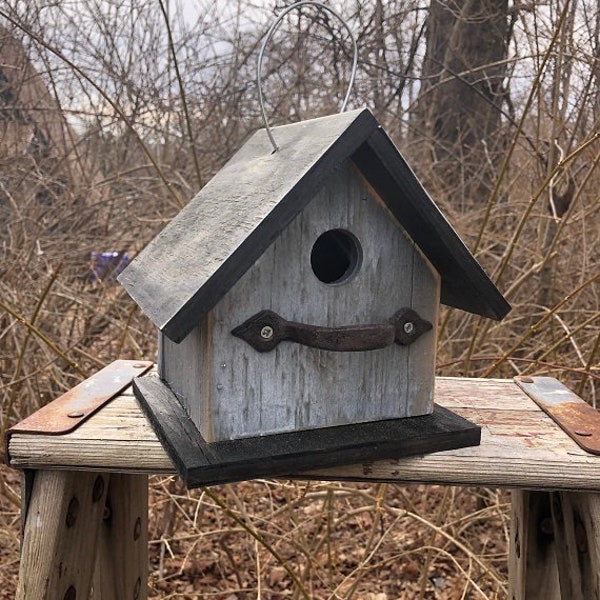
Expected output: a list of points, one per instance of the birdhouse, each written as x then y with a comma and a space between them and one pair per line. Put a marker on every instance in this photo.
297, 297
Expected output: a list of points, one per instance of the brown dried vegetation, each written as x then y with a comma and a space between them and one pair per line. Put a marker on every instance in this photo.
102, 140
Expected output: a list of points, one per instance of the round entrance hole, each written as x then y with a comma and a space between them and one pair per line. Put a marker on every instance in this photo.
335, 256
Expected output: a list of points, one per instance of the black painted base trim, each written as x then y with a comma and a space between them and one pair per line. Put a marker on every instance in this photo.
201, 464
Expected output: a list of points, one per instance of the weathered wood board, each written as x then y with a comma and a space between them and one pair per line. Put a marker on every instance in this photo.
60, 534
122, 561
200, 463
533, 573
521, 447
231, 391
221, 233
217, 236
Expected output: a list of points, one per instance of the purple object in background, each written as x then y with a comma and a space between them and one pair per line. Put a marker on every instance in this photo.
106, 266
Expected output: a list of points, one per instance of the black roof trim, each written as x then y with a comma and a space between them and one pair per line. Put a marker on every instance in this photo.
186, 269
464, 283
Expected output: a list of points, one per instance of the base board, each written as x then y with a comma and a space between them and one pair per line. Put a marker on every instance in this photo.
279, 455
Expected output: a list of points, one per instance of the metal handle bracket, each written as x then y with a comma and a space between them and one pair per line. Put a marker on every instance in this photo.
266, 329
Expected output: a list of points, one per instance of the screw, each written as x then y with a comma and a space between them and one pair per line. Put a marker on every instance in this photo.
76, 414
582, 433
266, 333
139, 366
526, 379
409, 327
98, 489
72, 511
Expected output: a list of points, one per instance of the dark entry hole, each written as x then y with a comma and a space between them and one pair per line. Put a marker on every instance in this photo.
335, 256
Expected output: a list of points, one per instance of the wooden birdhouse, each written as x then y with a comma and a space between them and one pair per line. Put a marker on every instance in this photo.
297, 298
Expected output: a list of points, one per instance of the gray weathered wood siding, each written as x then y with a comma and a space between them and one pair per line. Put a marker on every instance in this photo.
233, 391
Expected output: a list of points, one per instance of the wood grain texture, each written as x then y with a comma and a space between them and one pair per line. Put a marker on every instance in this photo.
188, 267
122, 560
172, 424
196, 259
118, 435
532, 549
186, 368
60, 535
201, 464
554, 546
520, 447
576, 520
295, 387
464, 283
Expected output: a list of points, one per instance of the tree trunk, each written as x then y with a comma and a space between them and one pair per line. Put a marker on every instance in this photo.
460, 100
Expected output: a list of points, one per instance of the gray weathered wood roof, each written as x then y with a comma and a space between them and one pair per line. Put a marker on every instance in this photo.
210, 244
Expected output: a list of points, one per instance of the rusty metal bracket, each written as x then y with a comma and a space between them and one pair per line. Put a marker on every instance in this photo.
576, 418
75, 406
266, 329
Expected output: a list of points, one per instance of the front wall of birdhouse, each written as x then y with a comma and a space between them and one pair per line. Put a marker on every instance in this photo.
362, 273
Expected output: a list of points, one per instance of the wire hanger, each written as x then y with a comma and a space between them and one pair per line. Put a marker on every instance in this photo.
268, 37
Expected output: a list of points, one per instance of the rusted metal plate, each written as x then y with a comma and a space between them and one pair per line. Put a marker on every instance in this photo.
75, 406
575, 416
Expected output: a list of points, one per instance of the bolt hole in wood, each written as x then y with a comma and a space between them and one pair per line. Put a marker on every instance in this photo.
70, 594
137, 588
98, 489
336, 256
137, 529
72, 512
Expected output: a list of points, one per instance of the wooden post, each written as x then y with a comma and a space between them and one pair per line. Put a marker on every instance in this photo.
577, 528
532, 550
554, 546
122, 562
60, 535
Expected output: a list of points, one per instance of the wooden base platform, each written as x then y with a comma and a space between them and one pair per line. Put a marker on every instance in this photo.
521, 447
554, 545
200, 463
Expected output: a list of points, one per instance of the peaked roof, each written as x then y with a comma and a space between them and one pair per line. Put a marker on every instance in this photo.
186, 269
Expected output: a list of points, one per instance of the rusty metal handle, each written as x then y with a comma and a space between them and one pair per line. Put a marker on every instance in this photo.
266, 329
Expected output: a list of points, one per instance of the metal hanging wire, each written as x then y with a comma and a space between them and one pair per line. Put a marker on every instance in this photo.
268, 37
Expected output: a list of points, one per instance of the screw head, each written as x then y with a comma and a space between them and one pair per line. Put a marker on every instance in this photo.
76, 414
266, 333
582, 433
409, 327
